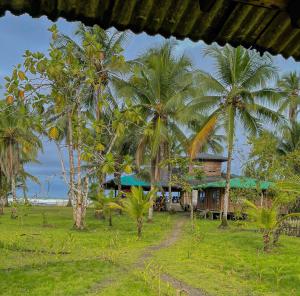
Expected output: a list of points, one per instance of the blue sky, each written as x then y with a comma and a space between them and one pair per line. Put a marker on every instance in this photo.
23, 32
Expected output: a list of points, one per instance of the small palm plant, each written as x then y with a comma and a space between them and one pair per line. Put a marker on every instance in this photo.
105, 204
136, 205
268, 220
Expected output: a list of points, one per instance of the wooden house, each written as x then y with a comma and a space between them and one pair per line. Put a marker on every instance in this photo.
208, 192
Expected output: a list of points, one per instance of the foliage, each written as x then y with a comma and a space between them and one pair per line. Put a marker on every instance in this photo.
104, 204
136, 204
268, 220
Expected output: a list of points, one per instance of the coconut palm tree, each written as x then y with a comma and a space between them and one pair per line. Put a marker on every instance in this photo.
161, 86
18, 144
268, 220
109, 64
235, 92
290, 138
289, 84
136, 205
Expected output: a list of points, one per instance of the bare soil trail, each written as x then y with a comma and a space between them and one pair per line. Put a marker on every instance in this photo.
181, 287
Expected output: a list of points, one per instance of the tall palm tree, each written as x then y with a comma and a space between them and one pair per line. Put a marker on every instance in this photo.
18, 144
161, 86
235, 92
289, 84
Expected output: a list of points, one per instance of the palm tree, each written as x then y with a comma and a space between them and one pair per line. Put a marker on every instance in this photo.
289, 84
161, 87
268, 221
290, 139
235, 93
136, 205
214, 141
18, 144
104, 204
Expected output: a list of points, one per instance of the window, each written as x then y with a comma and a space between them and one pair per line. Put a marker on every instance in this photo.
216, 196
201, 196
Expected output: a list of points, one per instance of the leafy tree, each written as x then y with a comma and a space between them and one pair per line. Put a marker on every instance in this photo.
235, 93
289, 85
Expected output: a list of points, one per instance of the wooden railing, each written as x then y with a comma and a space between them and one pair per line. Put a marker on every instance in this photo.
291, 227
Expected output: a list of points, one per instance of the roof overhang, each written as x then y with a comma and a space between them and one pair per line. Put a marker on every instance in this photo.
267, 25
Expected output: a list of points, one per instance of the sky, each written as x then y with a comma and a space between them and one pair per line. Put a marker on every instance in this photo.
19, 33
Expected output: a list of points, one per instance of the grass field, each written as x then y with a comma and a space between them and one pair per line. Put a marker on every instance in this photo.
40, 254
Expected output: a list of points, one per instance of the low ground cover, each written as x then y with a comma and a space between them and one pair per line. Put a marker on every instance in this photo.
232, 262
40, 254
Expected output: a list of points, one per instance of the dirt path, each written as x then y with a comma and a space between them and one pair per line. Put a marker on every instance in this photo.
181, 287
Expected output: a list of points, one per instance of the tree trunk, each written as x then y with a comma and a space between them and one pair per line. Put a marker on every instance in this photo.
154, 179
261, 199
139, 227
266, 238
169, 205
80, 206
230, 137
2, 204
14, 214
110, 218
26, 201
190, 195
71, 161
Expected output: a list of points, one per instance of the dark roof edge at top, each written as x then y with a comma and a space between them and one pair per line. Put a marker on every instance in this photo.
234, 22
208, 156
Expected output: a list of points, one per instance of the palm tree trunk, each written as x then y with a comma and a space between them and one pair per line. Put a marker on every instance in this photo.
191, 200
154, 180
224, 222
170, 180
14, 196
139, 227
2, 204
110, 218
230, 137
71, 160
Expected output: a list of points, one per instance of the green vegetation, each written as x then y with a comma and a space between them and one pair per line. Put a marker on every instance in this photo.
232, 262
40, 254
150, 116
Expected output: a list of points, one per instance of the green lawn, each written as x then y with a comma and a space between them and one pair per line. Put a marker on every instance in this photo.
55, 260
232, 262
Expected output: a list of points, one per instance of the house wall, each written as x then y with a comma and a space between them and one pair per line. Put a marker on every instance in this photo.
211, 168
210, 203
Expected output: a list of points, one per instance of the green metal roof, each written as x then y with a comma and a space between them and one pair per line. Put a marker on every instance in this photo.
240, 183
132, 180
